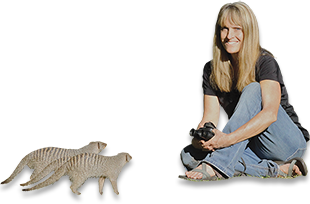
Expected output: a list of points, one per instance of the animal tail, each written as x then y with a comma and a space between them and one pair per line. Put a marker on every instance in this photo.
53, 166
52, 179
18, 169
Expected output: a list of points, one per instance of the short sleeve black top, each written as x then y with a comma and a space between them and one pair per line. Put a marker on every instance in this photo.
266, 68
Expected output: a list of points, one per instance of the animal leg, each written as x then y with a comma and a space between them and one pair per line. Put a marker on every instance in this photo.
77, 183
101, 182
114, 186
35, 173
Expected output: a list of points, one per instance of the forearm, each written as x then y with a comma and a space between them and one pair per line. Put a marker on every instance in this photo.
208, 118
211, 111
253, 127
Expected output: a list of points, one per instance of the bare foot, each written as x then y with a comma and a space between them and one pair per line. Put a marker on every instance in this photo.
284, 168
198, 175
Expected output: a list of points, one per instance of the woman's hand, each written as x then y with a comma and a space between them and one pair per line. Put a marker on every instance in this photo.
201, 124
220, 140
197, 143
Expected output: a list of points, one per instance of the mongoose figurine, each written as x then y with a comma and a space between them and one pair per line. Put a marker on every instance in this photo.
40, 158
83, 166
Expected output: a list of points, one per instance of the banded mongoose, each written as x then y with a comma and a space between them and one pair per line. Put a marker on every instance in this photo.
83, 166
40, 158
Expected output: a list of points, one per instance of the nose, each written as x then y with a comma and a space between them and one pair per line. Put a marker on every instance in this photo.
230, 34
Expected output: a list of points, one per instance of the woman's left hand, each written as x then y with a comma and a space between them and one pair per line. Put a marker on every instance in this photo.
220, 140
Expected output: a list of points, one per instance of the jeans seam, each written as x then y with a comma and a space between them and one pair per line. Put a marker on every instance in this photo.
292, 156
218, 167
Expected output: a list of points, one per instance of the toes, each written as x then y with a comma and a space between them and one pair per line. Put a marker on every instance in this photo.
193, 175
198, 175
297, 171
189, 174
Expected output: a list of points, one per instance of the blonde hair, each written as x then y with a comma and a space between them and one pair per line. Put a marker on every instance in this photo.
223, 76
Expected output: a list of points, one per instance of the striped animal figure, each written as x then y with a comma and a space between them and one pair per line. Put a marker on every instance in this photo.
81, 167
40, 158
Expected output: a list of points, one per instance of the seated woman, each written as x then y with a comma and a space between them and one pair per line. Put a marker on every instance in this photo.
246, 81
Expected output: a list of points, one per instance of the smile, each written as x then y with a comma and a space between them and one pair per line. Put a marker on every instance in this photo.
232, 43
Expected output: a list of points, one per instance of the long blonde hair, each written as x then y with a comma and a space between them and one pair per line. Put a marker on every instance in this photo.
223, 76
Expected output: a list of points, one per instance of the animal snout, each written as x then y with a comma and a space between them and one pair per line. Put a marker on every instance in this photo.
101, 146
128, 157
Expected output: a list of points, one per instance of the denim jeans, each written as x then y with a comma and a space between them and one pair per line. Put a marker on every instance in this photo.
281, 141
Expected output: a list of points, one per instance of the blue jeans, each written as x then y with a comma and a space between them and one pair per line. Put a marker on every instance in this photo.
281, 141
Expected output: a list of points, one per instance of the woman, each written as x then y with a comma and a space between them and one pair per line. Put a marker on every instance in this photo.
246, 81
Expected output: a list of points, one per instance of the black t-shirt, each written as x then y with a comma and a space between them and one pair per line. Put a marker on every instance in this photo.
266, 68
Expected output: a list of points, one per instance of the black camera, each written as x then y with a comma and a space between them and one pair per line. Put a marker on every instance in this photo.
204, 133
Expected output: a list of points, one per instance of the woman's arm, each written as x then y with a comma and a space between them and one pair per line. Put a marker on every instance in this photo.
211, 110
271, 97
211, 113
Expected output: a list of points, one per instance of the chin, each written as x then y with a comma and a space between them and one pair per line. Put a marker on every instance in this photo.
232, 51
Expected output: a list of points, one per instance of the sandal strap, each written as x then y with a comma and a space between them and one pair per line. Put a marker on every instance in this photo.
204, 172
290, 170
296, 161
282, 174
302, 166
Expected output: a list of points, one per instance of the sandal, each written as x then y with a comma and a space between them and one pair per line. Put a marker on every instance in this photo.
205, 175
299, 162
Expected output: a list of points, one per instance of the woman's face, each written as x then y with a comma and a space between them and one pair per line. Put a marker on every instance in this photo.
231, 37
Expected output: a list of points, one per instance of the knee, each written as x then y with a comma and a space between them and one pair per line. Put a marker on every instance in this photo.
250, 99
188, 159
179, 163
251, 93
254, 86
183, 156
